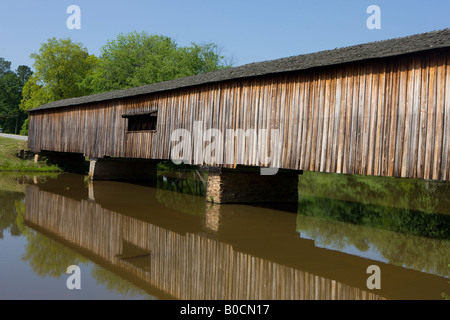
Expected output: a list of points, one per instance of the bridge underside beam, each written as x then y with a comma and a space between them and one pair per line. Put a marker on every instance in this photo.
249, 186
123, 169
69, 162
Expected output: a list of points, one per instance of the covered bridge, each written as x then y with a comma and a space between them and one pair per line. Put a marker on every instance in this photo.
380, 108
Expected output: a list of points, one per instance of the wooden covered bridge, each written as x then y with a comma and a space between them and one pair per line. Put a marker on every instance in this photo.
381, 108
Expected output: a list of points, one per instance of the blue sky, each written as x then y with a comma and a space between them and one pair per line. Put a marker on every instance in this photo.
246, 30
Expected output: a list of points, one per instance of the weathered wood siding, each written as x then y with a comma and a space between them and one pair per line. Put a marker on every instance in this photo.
388, 117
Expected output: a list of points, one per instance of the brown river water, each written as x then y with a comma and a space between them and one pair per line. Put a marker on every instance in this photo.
164, 241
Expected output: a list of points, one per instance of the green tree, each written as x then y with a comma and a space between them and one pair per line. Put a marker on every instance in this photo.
24, 73
61, 65
11, 85
136, 59
5, 67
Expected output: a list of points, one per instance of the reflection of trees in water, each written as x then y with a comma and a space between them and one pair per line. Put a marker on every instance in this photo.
185, 203
10, 202
184, 182
115, 283
419, 195
46, 256
406, 220
182, 191
12, 197
339, 224
49, 258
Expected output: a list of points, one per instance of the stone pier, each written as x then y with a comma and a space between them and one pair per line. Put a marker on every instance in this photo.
123, 169
249, 186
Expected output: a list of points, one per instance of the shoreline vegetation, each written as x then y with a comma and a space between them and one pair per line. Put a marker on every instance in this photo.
10, 162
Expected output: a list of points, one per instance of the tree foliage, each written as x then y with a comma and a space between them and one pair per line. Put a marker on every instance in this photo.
11, 85
5, 67
64, 69
60, 67
136, 59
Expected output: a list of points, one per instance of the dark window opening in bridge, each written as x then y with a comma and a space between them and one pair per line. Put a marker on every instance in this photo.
142, 122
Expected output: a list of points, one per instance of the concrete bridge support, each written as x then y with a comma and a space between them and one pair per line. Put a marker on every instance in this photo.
123, 169
249, 186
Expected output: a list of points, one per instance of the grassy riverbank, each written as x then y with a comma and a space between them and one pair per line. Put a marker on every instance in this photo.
10, 162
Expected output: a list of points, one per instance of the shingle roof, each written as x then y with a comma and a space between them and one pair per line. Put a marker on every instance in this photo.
380, 49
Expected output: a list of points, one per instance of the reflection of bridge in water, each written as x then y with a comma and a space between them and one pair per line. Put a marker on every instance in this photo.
196, 258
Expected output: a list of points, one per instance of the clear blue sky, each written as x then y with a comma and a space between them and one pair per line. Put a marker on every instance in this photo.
246, 30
